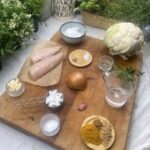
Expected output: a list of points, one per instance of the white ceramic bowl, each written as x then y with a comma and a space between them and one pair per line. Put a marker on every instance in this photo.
46, 124
73, 32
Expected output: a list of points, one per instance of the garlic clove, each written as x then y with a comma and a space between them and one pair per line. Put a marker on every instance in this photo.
82, 106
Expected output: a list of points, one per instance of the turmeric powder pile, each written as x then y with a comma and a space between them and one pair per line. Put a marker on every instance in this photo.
91, 134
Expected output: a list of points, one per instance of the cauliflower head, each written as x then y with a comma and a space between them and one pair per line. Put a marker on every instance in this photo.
124, 39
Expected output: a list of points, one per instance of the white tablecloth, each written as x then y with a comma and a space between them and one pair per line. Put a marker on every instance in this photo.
139, 132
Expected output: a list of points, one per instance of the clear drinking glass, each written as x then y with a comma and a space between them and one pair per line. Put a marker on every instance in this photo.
118, 91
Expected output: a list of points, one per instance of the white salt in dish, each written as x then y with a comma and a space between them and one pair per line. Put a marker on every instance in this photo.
50, 124
86, 56
73, 32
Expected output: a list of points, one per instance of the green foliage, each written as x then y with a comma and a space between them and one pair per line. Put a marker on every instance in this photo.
94, 6
33, 7
15, 25
136, 11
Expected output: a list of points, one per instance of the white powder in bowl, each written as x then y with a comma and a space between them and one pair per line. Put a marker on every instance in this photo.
73, 32
50, 126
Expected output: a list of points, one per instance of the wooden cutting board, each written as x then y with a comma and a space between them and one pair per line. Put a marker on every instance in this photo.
26, 119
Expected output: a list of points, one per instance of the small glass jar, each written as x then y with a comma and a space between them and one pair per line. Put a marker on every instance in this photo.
15, 87
50, 124
105, 63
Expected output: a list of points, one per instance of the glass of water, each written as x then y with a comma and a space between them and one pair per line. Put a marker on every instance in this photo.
117, 90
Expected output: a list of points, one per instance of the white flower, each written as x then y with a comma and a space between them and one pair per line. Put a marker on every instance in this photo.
28, 16
12, 24
14, 15
4, 1
18, 3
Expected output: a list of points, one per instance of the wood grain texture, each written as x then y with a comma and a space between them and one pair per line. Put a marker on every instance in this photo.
27, 119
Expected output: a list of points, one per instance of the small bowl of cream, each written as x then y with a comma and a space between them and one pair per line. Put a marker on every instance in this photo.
50, 124
73, 32
54, 100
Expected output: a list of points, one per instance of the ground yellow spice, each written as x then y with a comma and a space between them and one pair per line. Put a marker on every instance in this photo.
91, 134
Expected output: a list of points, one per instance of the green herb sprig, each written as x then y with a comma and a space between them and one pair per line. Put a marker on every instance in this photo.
127, 74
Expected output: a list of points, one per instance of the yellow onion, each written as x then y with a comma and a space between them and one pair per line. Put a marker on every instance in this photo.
77, 80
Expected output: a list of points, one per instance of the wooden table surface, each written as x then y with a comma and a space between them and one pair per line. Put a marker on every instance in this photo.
26, 119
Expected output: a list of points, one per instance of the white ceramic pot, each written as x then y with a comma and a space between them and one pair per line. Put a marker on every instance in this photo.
64, 9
